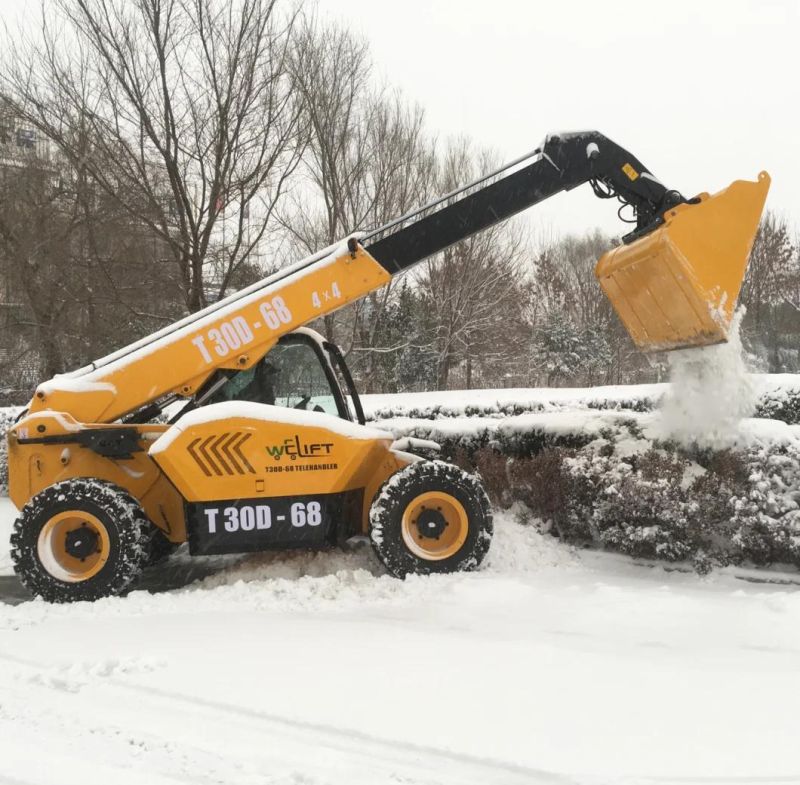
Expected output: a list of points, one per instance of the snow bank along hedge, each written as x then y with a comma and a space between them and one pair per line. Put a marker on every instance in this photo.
778, 399
606, 479
652, 500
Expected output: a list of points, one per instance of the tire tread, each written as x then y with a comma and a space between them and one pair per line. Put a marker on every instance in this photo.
121, 513
387, 510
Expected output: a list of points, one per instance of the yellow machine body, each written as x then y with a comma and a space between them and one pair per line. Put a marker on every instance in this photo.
677, 287
271, 455
267, 446
232, 338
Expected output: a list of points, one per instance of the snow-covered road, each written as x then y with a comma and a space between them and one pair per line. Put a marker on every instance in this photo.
548, 666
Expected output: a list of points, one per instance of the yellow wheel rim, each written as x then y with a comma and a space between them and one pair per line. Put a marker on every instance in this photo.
434, 526
73, 546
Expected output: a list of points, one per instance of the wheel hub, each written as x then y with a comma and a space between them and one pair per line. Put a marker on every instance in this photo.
431, 523
82, 542
434, 525
73, 545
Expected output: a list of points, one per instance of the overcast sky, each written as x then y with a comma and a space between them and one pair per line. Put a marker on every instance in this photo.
701, 91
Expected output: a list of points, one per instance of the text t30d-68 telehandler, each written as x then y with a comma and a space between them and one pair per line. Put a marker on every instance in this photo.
270, 449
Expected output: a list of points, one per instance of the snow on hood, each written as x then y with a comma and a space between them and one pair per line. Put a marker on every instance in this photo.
263, 412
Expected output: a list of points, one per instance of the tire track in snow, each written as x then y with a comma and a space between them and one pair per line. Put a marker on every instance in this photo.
111, 746
124, 747
356, 750
361, 744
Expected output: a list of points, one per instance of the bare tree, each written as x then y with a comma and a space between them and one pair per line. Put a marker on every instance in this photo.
32, 246
77, 274
183, 106
771, 275
771, 292
474, 288
367, 162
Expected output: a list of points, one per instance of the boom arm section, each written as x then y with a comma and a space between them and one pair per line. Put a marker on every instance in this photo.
564, 161
236, 332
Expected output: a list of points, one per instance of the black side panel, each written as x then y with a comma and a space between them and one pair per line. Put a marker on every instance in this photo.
245, 525
114, 442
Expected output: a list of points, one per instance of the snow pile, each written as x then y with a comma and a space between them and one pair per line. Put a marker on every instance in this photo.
339, 580
356, 561
309, 578
523, 547
710, 393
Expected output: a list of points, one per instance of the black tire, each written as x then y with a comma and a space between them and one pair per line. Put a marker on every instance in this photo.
126, 530
390, 524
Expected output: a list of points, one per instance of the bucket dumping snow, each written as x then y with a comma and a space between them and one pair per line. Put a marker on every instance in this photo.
710, 393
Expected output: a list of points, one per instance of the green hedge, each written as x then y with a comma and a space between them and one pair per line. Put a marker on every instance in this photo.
608, 485
779, 401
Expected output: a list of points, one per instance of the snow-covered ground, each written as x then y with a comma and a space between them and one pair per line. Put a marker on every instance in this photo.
548, 666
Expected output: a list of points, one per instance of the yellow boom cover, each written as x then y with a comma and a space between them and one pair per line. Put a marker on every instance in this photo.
677, 287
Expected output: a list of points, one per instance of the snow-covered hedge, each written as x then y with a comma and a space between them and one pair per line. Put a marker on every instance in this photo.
778, 398
714, 508
610, 479
509, 402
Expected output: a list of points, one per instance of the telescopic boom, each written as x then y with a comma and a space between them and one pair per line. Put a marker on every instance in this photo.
674, 281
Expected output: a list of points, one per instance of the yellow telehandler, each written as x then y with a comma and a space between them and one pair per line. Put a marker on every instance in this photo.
269, 447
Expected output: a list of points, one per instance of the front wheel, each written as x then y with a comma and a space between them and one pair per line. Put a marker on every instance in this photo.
431, 517
80, 539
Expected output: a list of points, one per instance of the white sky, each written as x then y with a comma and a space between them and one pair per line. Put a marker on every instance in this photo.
703, 92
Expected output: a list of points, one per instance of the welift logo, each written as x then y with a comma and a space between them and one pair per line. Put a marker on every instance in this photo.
293, 448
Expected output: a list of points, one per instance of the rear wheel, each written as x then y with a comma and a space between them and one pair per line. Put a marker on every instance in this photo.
431, 517
80, 540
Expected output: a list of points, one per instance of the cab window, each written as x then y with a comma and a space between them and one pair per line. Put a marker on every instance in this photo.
291, 374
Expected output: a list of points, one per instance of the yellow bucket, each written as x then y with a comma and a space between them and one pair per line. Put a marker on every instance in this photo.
677, 286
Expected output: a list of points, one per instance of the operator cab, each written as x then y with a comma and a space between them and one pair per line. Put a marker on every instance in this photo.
302, 371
